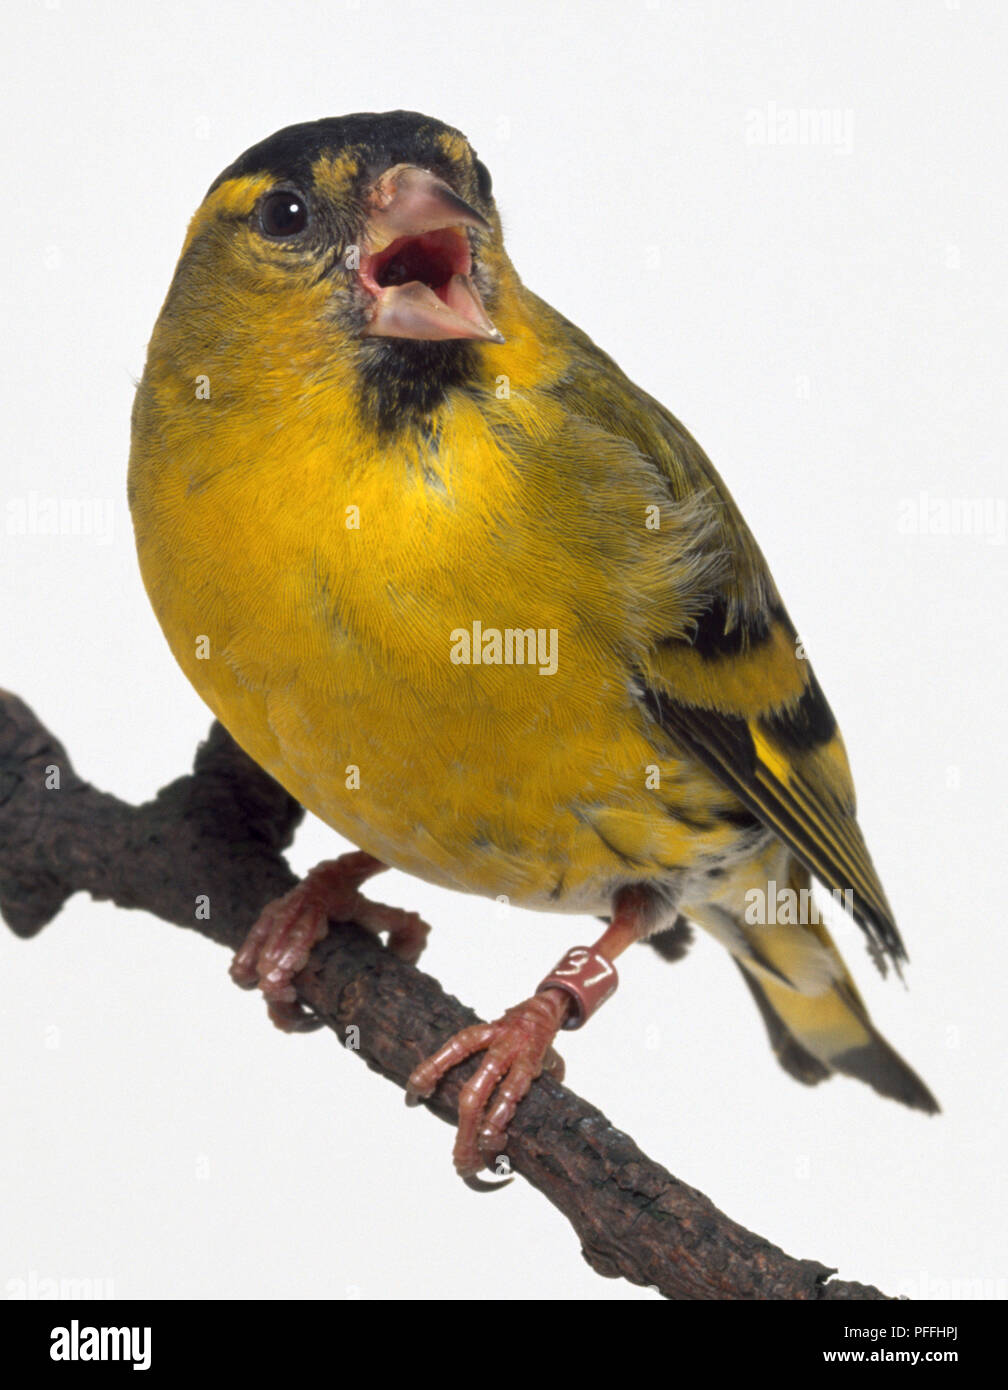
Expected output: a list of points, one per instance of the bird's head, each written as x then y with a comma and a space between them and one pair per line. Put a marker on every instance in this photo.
368, 242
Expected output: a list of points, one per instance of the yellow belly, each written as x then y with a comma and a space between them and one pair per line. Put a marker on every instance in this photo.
315, 602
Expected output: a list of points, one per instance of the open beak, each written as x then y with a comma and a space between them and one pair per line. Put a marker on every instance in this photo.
415, 263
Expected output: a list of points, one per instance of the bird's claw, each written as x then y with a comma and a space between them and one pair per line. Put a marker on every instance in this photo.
518, 1048
279, 944
478, 1184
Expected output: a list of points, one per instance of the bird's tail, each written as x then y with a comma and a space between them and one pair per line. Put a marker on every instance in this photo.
815, 1018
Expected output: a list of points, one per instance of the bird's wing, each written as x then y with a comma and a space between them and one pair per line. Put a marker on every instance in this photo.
780, 752
737, 691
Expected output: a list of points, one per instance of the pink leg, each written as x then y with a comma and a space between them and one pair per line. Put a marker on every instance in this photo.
280, 942
519, 1046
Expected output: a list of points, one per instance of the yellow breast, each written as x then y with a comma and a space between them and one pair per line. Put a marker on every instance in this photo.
428, 640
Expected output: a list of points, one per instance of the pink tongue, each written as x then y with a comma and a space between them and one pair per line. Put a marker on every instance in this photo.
413, 310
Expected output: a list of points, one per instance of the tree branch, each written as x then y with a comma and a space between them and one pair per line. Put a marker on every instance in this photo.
220, 831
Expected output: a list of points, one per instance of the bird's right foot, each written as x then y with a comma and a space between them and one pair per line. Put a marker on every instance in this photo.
279, 944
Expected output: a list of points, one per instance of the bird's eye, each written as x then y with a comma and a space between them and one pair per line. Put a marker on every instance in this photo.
283, 214
484, 184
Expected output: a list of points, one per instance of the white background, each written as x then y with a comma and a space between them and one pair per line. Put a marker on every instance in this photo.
830, 322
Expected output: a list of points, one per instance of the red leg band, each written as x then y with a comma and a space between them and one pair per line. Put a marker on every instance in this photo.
589, 979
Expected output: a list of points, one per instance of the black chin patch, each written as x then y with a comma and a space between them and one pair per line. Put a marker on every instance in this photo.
403, 380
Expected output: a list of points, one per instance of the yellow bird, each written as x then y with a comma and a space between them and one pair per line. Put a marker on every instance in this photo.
484, 606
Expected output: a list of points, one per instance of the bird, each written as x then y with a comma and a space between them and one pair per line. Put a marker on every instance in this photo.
486, 608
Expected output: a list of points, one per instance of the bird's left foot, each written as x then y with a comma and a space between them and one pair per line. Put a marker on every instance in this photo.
518, 1047
280, 942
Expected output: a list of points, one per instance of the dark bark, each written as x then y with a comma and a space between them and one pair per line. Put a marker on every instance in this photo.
220, 831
